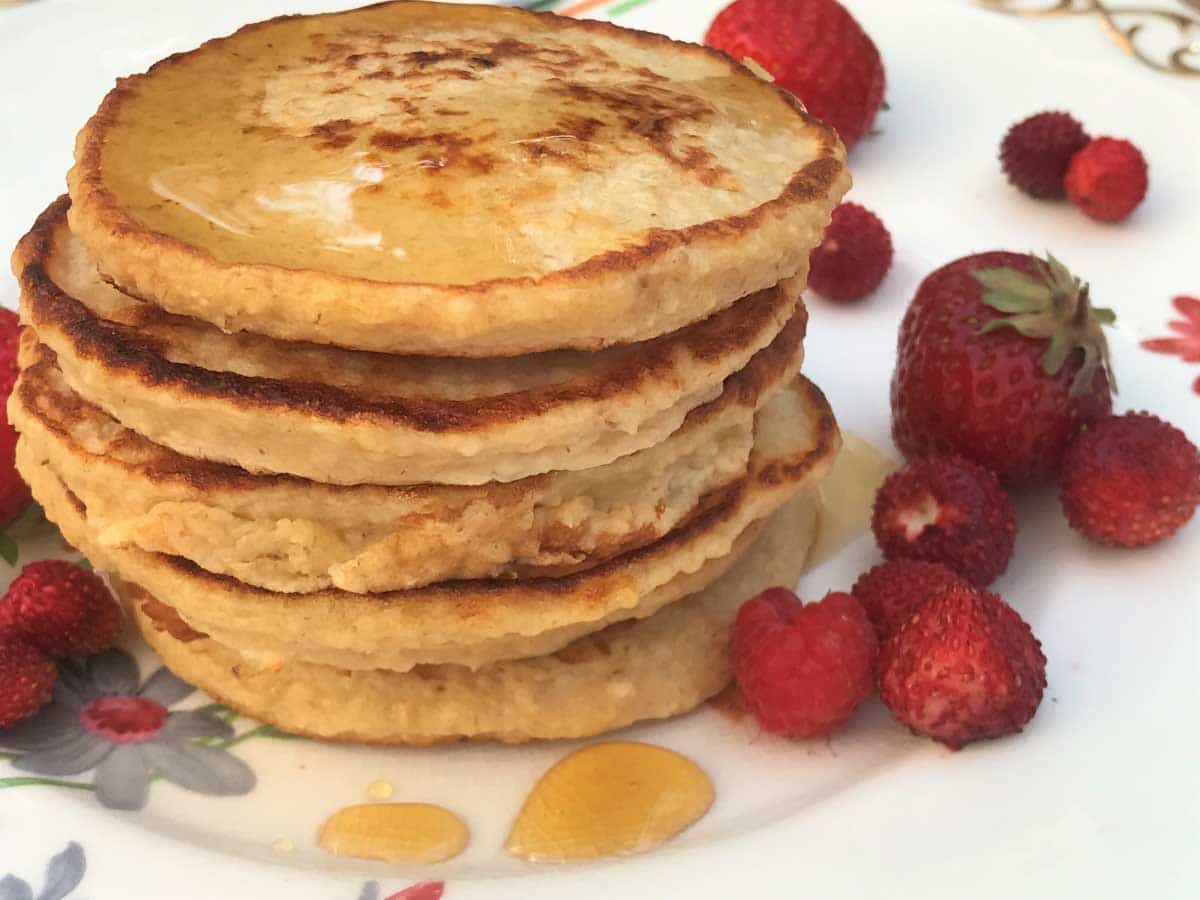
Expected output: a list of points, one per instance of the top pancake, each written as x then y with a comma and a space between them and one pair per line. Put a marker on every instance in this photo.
451, 180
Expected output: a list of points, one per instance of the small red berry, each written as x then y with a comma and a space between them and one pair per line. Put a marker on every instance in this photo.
1035, 152
803, 669
963, 668
1130, 480
894, 590
62, 609
947, 510
10, 334
14, 493
813, 48
27, 678
1107, 179
853, 257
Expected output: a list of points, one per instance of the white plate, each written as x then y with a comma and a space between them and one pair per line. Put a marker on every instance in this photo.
1098, 798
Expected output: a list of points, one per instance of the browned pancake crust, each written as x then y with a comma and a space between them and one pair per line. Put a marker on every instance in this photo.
125, 349
820, 181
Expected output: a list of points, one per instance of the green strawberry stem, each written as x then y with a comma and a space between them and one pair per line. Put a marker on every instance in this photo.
1054, 307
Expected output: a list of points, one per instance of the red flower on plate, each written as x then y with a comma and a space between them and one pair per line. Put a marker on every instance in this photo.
1186, 342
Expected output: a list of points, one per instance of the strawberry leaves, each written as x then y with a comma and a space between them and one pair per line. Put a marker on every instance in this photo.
1053, 306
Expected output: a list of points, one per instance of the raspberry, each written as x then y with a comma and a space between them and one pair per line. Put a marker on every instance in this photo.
27, 678
803, 669
963, 668
892, 591
1130, 480
947, 510
1035, 152
62, 609
854, 256
1107, 179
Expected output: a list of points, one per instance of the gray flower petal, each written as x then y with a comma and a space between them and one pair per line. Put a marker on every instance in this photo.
205, 770
123, 780
82, 752
189, 724
72, 689
165, 687
54, 724
13, 888
64, 872
113, 672
370, 891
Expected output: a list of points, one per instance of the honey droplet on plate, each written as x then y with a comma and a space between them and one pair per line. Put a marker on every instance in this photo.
394, 832
379, 790
610, 799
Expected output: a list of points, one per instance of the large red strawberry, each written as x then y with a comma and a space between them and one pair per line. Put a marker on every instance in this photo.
1002, 359
815, 49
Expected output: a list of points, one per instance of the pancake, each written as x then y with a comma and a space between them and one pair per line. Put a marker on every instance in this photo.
657, 667
470, 623
287, 534
451, 180
347, 417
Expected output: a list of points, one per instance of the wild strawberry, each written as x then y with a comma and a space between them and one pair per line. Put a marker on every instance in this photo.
1002, 359
1107, 179
803, 669
14, 493
813, 48
10, 333
947, 510
1035, 152
62, 609
27, 678
892, 591
962, 668
1130, 480
854, 255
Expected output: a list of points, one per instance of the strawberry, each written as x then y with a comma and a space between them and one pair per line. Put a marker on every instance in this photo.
27, 678
853, 257
1130, 480
14, 493
963, 668
1035, 152
946, 510
813, 48
10, 333
892, 591
803, 669
62, 609
1107, 179
1001, 359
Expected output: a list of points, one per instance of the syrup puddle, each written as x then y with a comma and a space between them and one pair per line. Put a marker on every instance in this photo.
610, 799
394, 832
847, 495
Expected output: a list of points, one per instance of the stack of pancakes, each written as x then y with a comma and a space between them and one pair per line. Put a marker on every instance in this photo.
423, 372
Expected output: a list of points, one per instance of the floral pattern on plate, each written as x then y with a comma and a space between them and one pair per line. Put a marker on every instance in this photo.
1186, 342
425, 890
102, 718
64, 872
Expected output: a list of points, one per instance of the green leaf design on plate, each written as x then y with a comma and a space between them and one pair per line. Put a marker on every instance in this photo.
10, 551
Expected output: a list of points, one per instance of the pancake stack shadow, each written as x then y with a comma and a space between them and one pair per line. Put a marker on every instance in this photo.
429, 372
